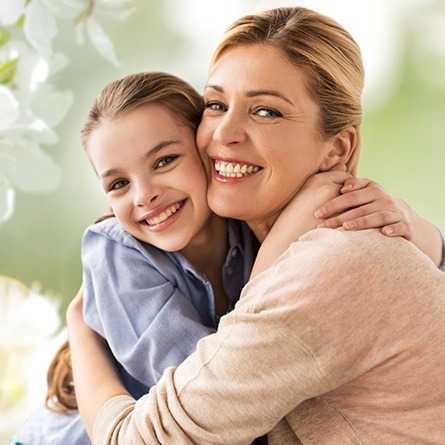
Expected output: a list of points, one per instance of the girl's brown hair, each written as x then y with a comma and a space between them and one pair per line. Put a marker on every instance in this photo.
116, 99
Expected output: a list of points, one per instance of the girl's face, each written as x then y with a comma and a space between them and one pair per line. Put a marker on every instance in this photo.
259, 135
153, 177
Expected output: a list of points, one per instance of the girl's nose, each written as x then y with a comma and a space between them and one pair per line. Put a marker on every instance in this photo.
146, 195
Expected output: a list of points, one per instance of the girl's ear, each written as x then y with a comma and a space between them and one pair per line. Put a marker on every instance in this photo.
342, 148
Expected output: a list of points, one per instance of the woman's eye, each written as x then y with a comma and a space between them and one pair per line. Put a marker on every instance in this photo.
267, 112
215, 106
116, 185
165, 161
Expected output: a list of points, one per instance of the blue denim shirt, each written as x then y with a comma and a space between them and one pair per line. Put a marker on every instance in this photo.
151, 306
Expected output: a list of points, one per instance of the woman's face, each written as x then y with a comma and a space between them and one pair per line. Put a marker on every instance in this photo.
259, 135
153, 177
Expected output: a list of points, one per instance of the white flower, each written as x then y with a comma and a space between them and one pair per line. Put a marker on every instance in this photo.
101, 41
11, 11
29, 109
118, 9
40, 27
9, 109
28, 325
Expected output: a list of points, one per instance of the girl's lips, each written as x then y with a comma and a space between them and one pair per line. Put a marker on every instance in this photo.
163, 218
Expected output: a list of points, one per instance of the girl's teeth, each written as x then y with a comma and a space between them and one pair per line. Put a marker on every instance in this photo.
164, 215
235, 170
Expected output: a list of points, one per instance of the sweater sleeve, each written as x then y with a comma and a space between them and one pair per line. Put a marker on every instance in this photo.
148, 323
312, 322
442, 264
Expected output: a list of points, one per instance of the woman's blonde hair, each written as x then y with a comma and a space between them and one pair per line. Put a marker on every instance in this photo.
116, 99
328, 54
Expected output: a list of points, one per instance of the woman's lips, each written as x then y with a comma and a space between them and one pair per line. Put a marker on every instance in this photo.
235, 169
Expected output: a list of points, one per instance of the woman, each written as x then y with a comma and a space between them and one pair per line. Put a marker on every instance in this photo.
340, 339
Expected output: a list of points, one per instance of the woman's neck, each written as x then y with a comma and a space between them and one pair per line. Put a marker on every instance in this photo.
261, 228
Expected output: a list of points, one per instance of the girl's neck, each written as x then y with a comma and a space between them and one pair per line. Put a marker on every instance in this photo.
207, 252
208, 249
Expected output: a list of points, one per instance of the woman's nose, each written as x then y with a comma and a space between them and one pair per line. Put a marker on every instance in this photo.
230, 130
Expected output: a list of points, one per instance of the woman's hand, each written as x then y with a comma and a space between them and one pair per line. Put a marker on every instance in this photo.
364, 204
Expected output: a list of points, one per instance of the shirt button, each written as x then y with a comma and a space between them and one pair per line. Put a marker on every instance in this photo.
234, 252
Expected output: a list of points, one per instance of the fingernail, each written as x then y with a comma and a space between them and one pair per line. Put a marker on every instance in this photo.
388, 230
319, 213
350, 225
322, 226
346, 187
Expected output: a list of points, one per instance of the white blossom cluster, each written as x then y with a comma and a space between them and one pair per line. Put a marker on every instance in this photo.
31, 105
29, 324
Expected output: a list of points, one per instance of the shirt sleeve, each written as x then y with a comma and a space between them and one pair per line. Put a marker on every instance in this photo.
148, 323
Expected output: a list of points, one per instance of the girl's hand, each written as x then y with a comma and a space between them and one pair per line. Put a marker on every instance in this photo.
74, 318
364, 204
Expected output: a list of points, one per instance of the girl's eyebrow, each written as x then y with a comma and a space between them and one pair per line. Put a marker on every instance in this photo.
150, 153
254, 93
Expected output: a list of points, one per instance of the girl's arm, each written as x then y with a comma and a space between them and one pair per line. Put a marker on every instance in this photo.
356, 204
93, 368
364, 204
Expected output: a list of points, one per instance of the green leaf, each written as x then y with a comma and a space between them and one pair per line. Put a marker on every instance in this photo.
8, 70
4, 36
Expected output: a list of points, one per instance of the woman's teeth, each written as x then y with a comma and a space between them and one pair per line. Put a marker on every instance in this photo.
164, 215
234, 170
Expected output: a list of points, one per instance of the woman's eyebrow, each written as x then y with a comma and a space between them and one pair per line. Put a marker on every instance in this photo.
253, 93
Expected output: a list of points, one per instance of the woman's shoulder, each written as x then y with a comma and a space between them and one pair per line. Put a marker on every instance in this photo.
360, 251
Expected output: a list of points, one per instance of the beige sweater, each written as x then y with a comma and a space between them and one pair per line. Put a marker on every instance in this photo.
341, 341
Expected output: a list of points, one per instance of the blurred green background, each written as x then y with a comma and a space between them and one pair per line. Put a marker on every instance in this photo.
403, 133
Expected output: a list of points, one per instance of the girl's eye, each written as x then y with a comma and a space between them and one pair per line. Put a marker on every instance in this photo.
165, 161
215, 106
267, 112
116, 185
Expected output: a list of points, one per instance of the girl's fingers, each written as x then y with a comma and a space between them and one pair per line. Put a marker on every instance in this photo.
400, 228
345, 202
352, 184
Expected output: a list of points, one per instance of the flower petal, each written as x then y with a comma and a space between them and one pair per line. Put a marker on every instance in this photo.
40, 27
101, 42
51, 105
9, 109
11, 11
28, 167
6, 199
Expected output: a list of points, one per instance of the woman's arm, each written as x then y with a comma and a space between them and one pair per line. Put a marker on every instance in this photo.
364, 204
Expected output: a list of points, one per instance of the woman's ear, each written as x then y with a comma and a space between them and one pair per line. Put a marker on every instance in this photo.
342, 148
